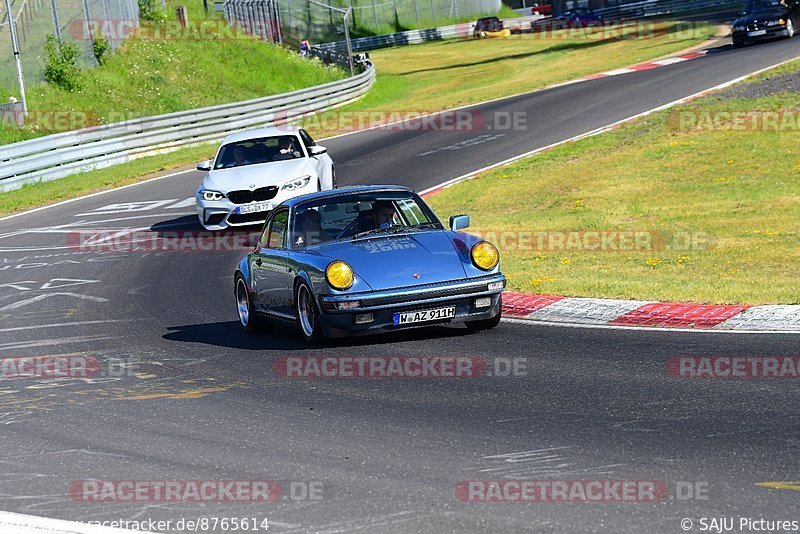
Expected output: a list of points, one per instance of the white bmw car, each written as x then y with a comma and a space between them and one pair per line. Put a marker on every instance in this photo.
258, 169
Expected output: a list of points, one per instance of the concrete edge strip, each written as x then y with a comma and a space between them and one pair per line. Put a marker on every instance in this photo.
29, 524
551, 309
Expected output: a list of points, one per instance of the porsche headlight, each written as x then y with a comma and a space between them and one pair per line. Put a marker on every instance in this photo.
485, 255
211, 195
297, 183
339, 275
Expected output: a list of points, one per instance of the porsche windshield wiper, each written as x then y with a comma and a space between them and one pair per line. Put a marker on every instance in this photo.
394, 229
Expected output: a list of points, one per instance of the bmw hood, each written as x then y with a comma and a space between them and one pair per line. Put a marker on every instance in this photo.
760, 16
258, 175
388, 262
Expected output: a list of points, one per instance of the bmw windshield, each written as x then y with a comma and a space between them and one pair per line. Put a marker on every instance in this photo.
761, 6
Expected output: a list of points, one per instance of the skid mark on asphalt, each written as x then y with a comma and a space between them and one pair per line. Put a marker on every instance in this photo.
188, 393
538, 462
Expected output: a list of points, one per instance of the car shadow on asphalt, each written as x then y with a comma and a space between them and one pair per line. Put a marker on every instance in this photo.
280, 338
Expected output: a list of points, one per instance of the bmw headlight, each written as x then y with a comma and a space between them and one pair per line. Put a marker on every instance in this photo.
485, 255
780, 22
739, 28
297, 183
339, 275
211, 195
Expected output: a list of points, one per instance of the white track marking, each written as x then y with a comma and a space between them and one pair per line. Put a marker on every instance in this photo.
12, 523
69, 324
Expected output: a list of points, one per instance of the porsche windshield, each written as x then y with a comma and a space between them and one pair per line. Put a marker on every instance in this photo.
759, 6
261, 150
357, 215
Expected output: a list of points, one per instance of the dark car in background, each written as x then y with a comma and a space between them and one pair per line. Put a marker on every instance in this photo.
765, 19
580, 15
487, 24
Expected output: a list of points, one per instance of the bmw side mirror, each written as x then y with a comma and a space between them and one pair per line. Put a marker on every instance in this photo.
459, 222
317, 150
204, 165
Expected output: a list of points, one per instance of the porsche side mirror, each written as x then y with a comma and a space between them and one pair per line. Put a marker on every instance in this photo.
459, 222
204, 165
317, 150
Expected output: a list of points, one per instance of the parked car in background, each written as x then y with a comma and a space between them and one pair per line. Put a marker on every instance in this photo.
487, 25
255, 171
765, 19
582, 15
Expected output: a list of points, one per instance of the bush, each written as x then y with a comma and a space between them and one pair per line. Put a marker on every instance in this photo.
149, 9
61, 64
100, 47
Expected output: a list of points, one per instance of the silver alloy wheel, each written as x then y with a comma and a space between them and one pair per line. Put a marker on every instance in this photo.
305, 310
789, 28
242, 303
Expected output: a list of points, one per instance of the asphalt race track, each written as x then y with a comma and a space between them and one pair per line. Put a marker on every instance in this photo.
187, 396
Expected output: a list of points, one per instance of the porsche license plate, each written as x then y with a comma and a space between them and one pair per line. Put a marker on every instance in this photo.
255, 208
756, 33
422, 316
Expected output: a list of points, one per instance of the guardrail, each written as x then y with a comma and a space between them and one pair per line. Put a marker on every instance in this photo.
646, 8
655, 8
59, 155
464, 30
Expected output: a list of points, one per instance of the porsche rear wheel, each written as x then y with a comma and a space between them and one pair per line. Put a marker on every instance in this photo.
307, 314
244, 305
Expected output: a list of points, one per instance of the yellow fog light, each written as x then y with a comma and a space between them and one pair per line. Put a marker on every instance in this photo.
339, 275
485, 256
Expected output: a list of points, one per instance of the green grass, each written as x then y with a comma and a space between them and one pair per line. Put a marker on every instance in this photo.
738, 191
423, 77
446, 74
155, 76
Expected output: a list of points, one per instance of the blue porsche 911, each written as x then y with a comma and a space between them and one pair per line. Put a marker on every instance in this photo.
367, 259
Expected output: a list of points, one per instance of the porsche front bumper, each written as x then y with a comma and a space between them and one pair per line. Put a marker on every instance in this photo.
469, 297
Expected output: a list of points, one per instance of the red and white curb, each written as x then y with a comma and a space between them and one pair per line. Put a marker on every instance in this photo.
11, 523
649, 65
636, 313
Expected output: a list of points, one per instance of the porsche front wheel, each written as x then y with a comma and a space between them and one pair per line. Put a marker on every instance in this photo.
307, 314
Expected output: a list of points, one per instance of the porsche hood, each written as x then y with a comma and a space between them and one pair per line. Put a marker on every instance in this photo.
394, 261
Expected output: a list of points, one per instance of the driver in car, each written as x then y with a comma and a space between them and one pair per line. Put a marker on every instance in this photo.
382, 213
286, 149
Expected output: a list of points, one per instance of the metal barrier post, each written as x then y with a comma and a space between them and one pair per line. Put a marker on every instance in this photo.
15, 45
346, 20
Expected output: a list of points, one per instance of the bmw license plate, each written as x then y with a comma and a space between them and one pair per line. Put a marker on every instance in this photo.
422, 316
255, 208
756, 33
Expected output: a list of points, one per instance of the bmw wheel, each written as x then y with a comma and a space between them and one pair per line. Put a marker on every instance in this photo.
244, 305
307, 314
789, 28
